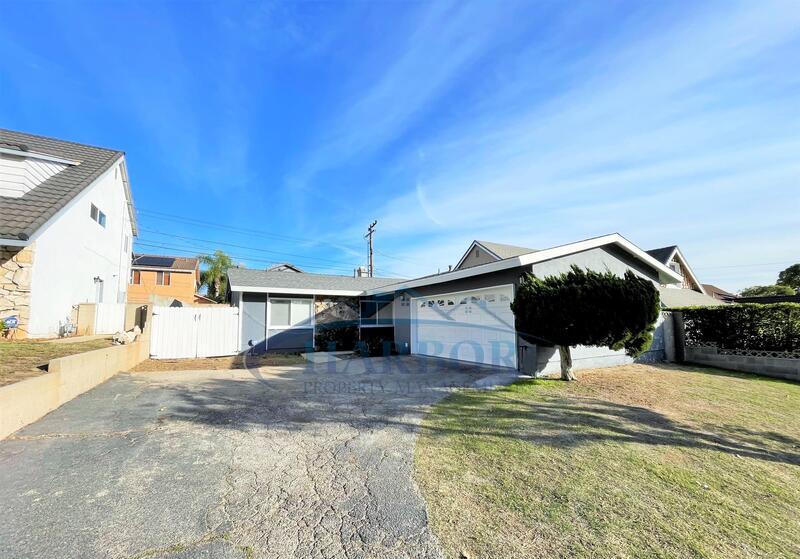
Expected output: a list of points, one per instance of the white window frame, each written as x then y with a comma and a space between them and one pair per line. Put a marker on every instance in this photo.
309, 326
98, 216
389, 303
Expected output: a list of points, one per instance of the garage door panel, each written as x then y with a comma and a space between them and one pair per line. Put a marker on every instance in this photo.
478, 326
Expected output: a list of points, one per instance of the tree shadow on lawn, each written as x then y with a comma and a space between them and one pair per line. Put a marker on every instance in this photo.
301, 399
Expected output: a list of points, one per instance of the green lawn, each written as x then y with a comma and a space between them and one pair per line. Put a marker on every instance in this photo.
23, 359
635, 461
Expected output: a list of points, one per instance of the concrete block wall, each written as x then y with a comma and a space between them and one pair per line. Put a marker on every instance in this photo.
778, 367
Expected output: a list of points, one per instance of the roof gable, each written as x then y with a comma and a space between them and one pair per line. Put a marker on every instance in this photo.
494, 251
21, 217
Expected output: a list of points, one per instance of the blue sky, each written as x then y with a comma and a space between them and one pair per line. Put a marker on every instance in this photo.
283, 128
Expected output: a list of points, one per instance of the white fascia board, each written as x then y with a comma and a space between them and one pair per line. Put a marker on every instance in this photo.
157, 269
14, 242
534, 257
685, 266
296, 291
40, 156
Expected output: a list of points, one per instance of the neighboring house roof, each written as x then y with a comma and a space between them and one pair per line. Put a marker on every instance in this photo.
497, 250
666, 255
284, 267
673, 298
21, 217
666, 275
244, 279
202, 299
162, 262
718, 292
663, 254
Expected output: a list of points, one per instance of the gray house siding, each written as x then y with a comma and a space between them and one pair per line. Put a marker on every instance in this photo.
601, 259
476, 257
257, 338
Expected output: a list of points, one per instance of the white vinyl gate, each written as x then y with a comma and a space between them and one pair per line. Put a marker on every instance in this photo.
109, 318
185, 332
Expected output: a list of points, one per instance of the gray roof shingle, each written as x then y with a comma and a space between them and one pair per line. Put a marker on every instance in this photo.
506, 251
21, 217
245, 277
672, 298
662, 254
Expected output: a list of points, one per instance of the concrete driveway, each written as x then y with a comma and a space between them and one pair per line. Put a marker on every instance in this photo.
291, 462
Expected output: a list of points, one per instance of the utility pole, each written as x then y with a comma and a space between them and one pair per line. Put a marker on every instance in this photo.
370, 233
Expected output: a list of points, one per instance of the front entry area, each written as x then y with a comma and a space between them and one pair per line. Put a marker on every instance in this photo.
475, 326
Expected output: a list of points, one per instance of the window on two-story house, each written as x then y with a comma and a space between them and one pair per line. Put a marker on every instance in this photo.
163, 278
136, 277
98, 215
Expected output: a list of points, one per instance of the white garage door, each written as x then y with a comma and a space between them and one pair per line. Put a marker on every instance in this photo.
476, 326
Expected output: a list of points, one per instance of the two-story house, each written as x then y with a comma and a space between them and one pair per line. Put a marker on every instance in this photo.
164, 279
67, 223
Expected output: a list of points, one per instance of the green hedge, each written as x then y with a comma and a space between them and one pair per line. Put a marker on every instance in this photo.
774, 327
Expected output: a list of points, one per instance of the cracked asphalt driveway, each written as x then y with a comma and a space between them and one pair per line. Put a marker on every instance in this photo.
279, 462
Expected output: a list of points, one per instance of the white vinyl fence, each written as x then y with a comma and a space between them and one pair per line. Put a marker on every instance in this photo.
109, 318
185, 332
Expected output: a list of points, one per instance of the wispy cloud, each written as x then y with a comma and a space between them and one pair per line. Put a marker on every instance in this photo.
678, 136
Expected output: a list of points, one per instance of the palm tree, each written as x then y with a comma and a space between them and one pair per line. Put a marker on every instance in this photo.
215, 277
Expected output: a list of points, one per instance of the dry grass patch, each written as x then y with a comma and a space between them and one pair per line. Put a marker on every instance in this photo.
220, 363
21, 359
635, 461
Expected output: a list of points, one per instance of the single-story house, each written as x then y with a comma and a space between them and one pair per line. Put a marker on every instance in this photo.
67, 223
463, 314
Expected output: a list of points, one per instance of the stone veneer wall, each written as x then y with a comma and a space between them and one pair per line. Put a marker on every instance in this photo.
16, 266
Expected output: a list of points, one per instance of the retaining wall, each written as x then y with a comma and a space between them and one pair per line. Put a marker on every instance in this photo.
779, 367
26, 401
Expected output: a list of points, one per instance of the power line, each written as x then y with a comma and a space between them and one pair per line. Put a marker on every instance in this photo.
202, 252
242, 230
293, 255
164, 216
199, 250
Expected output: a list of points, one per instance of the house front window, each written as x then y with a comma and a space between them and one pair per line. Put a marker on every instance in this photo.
290, 313
376, 312
136, 277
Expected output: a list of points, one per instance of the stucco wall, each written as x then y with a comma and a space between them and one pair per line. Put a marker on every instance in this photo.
601, 259
16, 265
72, 249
